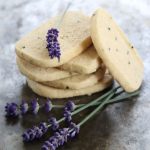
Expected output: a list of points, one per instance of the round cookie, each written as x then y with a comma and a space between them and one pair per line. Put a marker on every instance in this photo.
41, 74
51, 92
78, 81
74, 38
117, 53
85, 63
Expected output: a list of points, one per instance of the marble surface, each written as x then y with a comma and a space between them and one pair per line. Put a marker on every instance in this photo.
123, 126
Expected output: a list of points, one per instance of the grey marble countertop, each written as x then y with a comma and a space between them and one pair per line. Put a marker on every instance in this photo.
123, 126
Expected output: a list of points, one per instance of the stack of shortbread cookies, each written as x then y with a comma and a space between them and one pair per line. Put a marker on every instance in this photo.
81, 69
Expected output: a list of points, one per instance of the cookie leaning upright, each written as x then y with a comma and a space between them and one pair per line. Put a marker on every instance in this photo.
74, 38
117, 53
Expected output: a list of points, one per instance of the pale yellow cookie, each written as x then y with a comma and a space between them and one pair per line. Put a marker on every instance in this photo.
41, 74
74, 38
85, 63
117, 53
51, 92
78, 81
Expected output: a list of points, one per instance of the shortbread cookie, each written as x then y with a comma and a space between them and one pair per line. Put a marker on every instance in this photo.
74, 38
41, 74
85, 63
50, 92
117, 53
78, 81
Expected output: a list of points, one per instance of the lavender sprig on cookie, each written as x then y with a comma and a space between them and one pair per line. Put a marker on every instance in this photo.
53, 45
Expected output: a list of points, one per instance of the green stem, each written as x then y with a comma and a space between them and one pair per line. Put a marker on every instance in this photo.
123, 97
61, 18
96, 110
112, 91
114, 100
107, 101
57, 106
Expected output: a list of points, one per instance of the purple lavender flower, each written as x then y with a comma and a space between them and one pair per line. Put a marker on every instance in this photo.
12, 110
60, 137
35, 106
52, 43
75, 129
67, 115
70, 106
29, 135
35, 132
24, 107
54, 123
48, 106
43, 126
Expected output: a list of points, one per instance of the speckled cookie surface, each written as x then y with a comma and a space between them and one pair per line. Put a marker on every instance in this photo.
86, 63
74, 38
41, 74
78, 81
51, 92
117, 53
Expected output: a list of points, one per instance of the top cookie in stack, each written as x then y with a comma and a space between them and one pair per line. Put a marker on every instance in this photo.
80, 70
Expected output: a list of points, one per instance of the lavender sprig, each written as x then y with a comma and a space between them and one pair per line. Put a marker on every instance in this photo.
14, 110
80, 109
61, 137
84, 106
64, 134
35, 132
53, 44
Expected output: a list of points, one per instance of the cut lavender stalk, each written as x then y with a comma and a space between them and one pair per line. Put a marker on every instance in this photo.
15, 110
53, 45
114, 100
64, 134
85, 106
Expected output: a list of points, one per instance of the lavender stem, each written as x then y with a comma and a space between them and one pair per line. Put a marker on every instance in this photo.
96, 110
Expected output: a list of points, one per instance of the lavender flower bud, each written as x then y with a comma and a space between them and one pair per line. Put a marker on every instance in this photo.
70, 106
12, 110
48, 106
29, 135
24, 107
45, 147
67, 115
35, 132
74, 129
35, 106
43, 126
64, 132
58, 139
54, 123
53, 44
